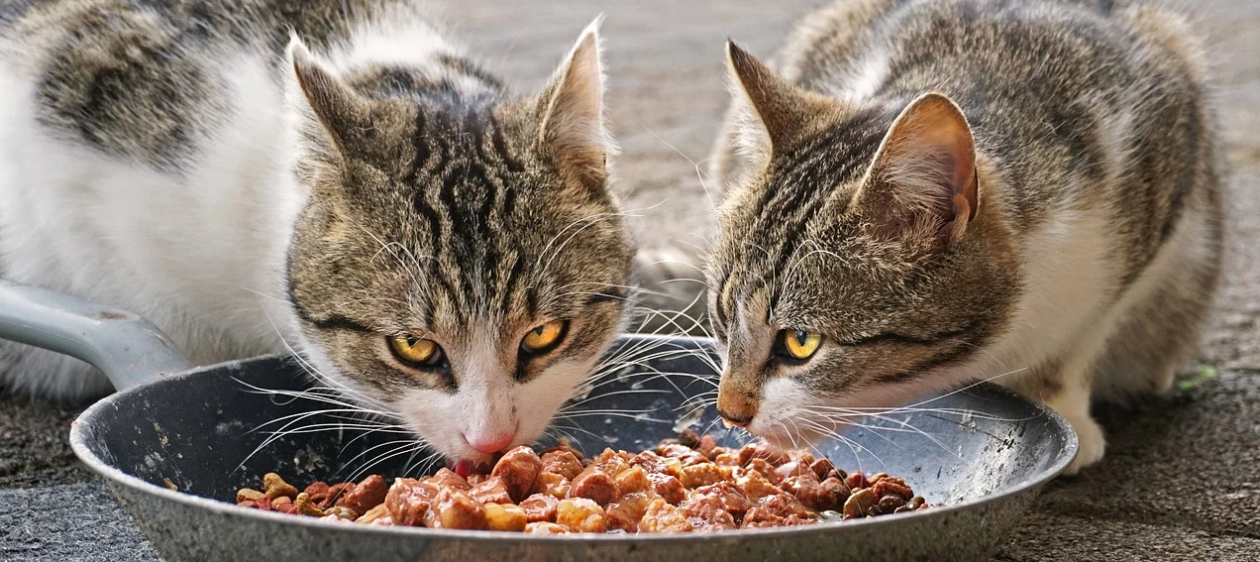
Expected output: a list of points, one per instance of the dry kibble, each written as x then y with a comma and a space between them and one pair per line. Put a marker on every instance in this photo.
691, 485
275, 487
859, 503
285, 507
890, 503
304, 505
334, 493
247, 495
856, 481
317, 492
895, 486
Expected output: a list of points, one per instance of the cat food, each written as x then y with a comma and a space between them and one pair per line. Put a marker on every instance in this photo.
685, 485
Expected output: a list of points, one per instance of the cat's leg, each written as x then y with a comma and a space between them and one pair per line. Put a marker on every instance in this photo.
1064, 383
1071, 399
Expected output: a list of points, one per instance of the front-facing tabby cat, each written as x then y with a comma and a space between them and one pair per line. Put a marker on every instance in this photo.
328, 172
935, 191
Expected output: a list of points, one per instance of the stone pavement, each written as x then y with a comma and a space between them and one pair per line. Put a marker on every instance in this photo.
1181, 480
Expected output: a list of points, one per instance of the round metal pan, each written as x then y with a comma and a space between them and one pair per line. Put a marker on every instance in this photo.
174, 451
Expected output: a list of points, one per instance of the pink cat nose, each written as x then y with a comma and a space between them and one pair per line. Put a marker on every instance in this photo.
492, 444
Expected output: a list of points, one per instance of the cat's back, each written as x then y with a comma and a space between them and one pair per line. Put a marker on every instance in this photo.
148, 81
1086, 102
864, 47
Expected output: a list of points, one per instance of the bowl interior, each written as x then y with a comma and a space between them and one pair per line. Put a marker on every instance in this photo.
211, 432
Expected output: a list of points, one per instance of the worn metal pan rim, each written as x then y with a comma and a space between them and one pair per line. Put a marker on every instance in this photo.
78, 442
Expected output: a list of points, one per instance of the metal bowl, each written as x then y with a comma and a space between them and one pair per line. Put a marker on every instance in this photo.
175, 450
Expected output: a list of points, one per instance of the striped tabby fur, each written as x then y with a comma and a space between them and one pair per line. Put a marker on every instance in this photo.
953, 190
323, 174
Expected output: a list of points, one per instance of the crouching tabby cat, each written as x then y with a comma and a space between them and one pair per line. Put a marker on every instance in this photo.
332, 173
936, 191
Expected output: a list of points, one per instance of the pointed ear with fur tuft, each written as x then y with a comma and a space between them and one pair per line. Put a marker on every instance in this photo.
572, 107
924, 174
338, 109
774, 112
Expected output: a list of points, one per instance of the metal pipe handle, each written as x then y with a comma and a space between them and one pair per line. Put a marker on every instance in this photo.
126, 347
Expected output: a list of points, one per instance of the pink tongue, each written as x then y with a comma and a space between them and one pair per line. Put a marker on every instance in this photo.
464, 468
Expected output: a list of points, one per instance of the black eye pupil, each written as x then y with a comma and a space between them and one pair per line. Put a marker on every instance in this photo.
538, 330
411, 341
800, 336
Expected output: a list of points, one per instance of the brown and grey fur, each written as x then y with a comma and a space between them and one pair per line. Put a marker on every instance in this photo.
430, 201
1087, 116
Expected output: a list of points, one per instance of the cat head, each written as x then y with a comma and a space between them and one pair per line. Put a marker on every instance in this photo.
862, 260
460, 264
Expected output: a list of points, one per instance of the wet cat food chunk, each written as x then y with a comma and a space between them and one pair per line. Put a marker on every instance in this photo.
455, 509
661, 517
595, 484
581, 515
518, 469
562, 462
408, 500
505, 517
540, 507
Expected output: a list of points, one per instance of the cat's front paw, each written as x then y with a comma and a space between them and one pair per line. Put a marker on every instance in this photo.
1092, 444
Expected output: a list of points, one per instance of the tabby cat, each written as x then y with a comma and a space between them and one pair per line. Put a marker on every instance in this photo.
928, 192
330, 174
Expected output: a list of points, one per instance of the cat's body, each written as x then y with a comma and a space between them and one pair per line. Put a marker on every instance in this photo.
173, 159
1084, 266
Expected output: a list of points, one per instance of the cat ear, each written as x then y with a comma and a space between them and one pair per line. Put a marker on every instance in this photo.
572, 104
339, 110
773, 111
926, 169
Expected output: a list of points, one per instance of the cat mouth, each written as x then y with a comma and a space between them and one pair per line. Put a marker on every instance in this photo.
466, 467
789, 435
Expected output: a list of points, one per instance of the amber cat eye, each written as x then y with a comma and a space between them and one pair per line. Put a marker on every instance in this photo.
417, 352
799, 344
544, 338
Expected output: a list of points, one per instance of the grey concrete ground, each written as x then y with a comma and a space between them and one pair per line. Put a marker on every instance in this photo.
1181, 480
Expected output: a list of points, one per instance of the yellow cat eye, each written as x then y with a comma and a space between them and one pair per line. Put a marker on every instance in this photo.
416, 351
543, 338
799, 344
